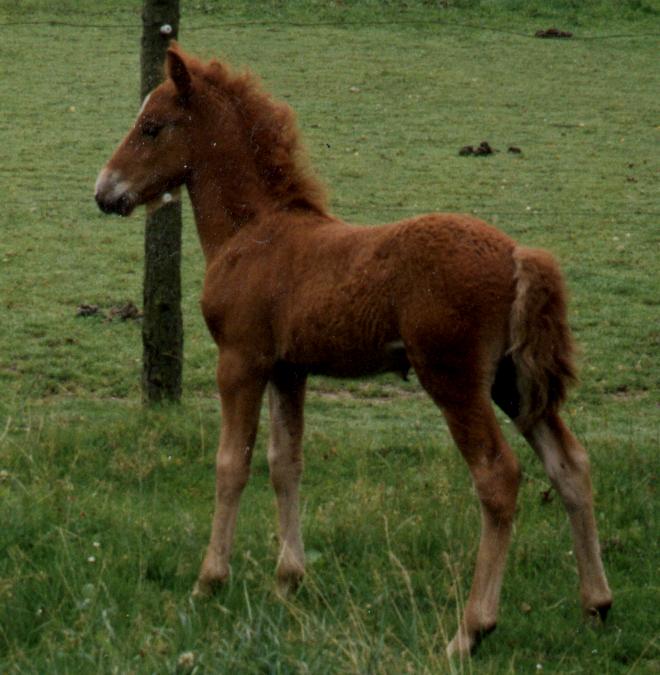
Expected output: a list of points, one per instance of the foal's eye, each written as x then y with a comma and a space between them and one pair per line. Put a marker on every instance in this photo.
151, 129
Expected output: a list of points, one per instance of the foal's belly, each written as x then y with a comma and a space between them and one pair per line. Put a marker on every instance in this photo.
390, 357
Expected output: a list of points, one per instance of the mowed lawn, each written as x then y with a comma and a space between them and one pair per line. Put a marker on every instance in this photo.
105, 507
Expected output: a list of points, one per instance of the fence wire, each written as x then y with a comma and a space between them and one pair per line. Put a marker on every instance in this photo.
334, 23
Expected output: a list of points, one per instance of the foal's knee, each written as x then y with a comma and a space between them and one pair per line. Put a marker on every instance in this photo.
231, 476
284, 470
566, 463
497, 484
572, 479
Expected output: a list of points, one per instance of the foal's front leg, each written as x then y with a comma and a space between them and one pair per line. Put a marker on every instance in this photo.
241, 391
286, 396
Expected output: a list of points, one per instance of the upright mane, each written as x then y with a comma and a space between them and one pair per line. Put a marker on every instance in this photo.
274, 138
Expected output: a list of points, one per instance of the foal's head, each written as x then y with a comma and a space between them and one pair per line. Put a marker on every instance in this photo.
155, 155
204, 117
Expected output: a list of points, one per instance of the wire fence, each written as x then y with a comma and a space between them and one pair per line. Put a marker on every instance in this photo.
338, 23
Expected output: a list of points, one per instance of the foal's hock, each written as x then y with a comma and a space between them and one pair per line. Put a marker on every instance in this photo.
290, 290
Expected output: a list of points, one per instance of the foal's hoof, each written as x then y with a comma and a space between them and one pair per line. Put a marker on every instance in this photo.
598, 614
201, 590
460, 646
464, 643
206, 587
289, 580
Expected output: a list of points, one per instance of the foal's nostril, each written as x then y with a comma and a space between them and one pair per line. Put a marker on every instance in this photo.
102, 204
121, 205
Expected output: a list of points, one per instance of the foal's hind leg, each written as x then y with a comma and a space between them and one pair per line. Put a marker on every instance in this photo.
286, 395
567, 465
241, 391
496, 476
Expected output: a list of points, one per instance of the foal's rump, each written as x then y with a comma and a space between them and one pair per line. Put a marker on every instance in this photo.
482, 309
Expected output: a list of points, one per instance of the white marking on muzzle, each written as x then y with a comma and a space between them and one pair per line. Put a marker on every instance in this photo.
114, 194
104, 177
110, 185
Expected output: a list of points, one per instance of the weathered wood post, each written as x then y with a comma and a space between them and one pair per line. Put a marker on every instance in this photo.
162, 328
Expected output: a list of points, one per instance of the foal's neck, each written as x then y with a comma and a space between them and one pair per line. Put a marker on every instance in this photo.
223, 203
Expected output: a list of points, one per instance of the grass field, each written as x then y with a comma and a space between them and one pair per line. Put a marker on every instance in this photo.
105, 506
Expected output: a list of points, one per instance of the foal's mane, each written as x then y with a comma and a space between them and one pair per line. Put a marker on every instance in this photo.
273, 135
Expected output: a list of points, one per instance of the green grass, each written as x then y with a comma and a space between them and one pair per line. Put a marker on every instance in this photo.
105, 507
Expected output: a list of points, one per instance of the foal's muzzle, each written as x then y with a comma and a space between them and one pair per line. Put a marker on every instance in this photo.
112, 194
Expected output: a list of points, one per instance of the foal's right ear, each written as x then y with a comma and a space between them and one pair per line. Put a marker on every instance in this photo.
178, 71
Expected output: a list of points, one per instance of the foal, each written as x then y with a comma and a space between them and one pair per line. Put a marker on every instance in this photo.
291, 290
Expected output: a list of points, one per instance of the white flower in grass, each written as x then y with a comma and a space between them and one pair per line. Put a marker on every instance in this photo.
186, 662
91, 559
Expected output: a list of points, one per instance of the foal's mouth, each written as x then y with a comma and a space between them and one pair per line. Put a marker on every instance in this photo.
123, 206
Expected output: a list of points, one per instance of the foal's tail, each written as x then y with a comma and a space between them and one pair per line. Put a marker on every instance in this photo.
541, 345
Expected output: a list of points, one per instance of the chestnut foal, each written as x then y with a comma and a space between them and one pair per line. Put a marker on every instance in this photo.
291, 290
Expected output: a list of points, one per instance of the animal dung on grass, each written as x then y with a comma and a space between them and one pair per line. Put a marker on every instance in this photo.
124, 312
87, 310
482, 150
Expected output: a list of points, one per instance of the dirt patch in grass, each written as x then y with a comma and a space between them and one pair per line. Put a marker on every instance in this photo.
384, 394
553, 33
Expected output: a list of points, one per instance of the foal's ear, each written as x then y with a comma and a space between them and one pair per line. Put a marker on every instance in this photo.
178, 71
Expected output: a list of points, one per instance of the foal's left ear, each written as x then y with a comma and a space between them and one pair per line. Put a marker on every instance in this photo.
178, 71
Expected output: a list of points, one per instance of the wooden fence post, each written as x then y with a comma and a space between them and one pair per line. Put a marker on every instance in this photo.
162, 327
